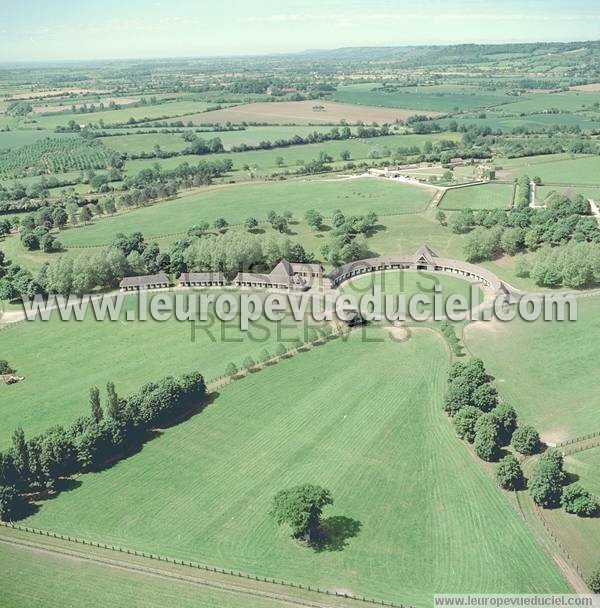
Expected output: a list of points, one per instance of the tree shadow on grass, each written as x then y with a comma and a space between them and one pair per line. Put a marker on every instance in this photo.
335, 532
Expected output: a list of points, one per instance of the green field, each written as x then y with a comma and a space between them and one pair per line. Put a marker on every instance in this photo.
236, 203
16, 139
557, 168
542, 192
171, 110
438, 99
487, 196
171, 142
497, 120
264, 162
563, 101
398, 281
540, 367
578, 535
30, 578
54, 355
378, 440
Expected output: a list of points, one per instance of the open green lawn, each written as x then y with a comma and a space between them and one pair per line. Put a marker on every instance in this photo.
546, 370
30, 579
404, 524
487, 196
236, 203
558, 168
398, 281
419, 98
61, 360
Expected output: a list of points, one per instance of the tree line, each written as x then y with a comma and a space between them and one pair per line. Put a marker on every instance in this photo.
490, 425
108, 432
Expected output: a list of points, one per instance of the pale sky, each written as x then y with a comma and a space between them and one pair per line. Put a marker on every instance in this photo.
43, 30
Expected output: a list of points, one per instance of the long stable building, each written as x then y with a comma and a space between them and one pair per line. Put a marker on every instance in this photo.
148, 281
202, 279
423, 259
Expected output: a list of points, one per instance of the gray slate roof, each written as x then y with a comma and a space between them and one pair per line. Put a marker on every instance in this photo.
202, 277
147, 279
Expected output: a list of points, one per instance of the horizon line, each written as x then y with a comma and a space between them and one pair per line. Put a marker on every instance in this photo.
250, 55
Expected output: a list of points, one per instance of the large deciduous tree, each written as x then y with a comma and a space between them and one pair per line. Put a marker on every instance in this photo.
301, 507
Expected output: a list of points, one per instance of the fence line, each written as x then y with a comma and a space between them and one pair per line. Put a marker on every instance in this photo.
197, 565
224, 379
563, 549
577, 439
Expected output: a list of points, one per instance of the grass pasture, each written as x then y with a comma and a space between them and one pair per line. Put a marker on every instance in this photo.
563, 101
540, 366
374, 434
30, 578
16, 139
497, 120
398, 281
262, 163
236, 203
578, 535
562, 169
168, 110
486, 196
434, 99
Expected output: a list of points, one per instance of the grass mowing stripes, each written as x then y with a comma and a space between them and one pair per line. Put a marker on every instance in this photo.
413, 515
30, 579
54, 355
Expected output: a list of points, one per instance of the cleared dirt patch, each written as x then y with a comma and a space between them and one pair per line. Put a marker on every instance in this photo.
590, 88
303, 112
66, 107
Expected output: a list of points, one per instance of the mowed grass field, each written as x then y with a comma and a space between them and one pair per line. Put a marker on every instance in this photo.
236, 203
563, 101
313, 111
487, 196
546, 370
393, 282
60, 361
405, 524
436, 98
30, 578
557, 168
